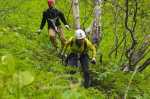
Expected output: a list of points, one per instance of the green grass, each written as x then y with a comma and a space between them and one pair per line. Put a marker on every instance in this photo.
30, 69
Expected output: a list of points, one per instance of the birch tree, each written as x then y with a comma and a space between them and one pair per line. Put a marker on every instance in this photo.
76, 13
94, 30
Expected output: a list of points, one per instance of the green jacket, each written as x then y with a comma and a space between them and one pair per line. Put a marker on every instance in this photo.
84, 48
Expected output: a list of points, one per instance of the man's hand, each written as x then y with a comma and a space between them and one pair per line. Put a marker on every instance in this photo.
93, 61
38, 31
62, 56
67, 26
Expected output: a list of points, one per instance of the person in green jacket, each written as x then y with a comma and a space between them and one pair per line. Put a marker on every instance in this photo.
79, 47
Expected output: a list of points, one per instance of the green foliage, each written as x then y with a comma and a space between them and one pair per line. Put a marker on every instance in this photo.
30, 69
23, 78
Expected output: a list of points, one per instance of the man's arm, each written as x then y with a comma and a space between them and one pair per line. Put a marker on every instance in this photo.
66, 46
91, 47
43, 20
62, 17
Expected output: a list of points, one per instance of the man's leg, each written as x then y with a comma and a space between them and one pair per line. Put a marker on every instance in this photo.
62, 37
72, 60
52, 36
85, 68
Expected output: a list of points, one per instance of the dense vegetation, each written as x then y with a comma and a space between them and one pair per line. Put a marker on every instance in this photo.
30, 69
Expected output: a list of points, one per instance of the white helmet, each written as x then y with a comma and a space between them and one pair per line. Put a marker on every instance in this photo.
80, 34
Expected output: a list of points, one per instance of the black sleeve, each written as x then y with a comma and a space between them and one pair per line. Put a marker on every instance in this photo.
43, 20
62, 17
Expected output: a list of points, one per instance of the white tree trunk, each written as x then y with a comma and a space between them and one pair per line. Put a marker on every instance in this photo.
96, 27
76, 13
